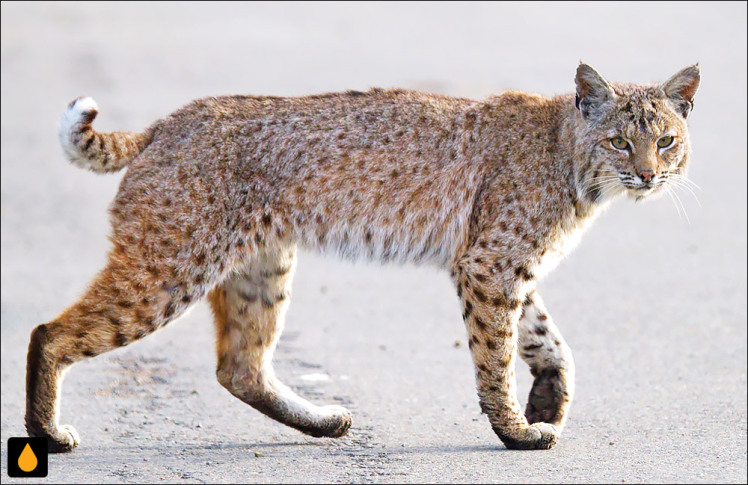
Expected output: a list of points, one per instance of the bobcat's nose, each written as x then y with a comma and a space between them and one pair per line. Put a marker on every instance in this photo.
646, 175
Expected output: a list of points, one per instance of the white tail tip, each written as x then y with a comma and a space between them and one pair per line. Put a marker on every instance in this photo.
79, 112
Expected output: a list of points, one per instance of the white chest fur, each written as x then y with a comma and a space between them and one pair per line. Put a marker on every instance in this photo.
565, 241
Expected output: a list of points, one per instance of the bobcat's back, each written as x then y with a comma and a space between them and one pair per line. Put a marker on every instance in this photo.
386, 175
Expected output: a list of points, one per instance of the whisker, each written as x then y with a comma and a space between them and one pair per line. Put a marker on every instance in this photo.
687, 181
670, 194
679, 184
604, 177
682, 206
601, 184
675, 194
612, 188
598, 181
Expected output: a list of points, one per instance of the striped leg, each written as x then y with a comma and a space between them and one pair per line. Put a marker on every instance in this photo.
123, 304
545, 351
491, 311
249, 310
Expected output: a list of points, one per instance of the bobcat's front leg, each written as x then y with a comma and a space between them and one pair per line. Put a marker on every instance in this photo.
491, 310
545, 351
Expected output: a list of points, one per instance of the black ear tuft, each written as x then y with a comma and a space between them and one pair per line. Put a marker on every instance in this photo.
682, 87
592, 90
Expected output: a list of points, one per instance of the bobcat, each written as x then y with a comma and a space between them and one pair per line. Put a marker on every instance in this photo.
219, 194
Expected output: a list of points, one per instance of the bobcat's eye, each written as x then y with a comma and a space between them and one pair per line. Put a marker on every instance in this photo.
665, 141
619, 143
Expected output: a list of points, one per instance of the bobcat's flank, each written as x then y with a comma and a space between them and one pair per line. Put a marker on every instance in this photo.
218, 195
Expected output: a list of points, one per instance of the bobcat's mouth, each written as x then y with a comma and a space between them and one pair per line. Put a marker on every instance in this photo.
645, 190
637, 188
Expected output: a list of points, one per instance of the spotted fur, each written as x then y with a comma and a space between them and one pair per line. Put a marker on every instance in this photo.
219, 194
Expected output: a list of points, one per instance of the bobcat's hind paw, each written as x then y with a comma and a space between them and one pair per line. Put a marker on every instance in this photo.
339, 421
334, 423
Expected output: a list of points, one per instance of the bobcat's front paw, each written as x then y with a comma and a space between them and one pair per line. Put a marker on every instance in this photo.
61, 440
549, 398
538, 436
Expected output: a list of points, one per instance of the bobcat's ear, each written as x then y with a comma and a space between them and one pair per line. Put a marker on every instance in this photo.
592, 90
681, 88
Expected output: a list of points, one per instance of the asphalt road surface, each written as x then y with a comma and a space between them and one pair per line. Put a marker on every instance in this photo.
653, 305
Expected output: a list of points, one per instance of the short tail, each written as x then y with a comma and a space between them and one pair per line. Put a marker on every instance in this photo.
98, 152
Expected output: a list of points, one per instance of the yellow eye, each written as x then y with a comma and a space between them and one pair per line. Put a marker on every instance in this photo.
619, 143
665, 141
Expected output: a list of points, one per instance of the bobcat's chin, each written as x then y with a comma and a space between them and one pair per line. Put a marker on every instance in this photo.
645, 192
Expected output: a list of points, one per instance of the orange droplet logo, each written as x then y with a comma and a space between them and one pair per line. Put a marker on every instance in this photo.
27, 461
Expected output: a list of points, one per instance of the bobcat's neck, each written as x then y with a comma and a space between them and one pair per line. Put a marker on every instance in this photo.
577, 157
578, 203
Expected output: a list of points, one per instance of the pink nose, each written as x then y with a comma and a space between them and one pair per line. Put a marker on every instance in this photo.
646, 175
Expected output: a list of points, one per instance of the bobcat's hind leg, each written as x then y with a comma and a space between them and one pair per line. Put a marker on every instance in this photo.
545, 351
249, 310
123, 304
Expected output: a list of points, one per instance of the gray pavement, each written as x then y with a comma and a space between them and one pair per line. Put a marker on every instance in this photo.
654, 307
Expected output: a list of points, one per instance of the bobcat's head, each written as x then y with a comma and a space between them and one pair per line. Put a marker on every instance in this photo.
632, 139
